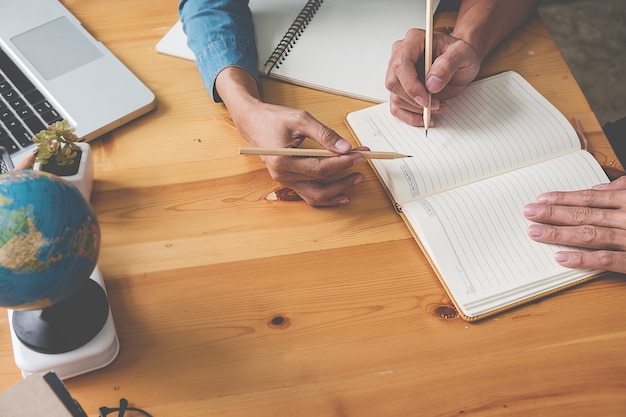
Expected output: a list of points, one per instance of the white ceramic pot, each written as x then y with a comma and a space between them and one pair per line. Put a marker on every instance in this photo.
83, 179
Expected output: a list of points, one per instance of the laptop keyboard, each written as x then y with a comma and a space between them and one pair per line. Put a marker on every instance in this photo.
24, 111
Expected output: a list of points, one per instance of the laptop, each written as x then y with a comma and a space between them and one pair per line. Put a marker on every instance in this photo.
51, 68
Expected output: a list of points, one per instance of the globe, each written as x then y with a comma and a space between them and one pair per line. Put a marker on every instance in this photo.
49, 239
49, 246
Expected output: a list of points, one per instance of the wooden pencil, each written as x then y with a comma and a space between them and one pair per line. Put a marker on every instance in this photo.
428, 59
247, 150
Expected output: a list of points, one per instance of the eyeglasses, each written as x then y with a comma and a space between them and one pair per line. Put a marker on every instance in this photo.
123, 410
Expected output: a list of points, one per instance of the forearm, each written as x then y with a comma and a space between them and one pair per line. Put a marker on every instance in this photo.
240, 92
483, 24
221, 35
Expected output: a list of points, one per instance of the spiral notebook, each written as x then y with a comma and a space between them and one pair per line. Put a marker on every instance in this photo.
338, 46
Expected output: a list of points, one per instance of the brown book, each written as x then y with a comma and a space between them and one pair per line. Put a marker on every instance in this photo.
461, 194
40, 394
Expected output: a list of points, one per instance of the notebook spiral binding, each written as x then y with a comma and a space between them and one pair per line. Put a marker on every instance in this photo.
292, 35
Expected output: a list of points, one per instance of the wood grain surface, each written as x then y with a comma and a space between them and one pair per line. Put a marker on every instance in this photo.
229, 303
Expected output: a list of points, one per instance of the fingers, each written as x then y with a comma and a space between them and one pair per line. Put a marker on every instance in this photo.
410, 113
574, 215
402, 78
308, 126
618, 184
604, 260
311, 178
290, 169
27, 163
587, 236
586, 218
609, 242
316, 180
408, 94
592, 219
327, 194
455, 66
593, 197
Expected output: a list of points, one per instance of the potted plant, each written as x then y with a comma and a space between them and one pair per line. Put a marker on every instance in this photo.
60, 152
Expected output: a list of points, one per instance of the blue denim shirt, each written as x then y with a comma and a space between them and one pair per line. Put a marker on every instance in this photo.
220, 33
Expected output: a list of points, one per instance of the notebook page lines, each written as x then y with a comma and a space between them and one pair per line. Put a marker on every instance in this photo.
489, 233
511, 130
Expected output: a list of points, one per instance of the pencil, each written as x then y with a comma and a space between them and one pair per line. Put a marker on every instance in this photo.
428, 59
247, 150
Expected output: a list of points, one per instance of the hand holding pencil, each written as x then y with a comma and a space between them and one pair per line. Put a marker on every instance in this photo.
449, 65
320, 181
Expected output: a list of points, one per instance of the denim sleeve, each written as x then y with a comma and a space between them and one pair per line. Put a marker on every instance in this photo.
220, 33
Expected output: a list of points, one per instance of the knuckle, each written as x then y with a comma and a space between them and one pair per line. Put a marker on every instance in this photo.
390, 80
547, 212
606, 258
301, 116
588, 195
621, 181
551, 233
318, 172
277, 176
276, 171
588, 233
271, 162
326, 134
555, 197
582, 215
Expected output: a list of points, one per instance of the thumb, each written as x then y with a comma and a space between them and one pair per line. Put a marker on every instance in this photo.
440, 74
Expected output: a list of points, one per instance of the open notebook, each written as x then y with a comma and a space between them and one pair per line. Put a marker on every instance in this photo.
342, 46
461, 194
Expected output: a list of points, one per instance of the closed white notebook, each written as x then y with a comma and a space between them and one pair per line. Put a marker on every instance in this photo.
343, 46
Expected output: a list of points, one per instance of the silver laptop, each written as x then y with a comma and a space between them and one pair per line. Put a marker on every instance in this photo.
51, 68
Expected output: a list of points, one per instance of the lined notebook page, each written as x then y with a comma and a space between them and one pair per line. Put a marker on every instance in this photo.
477, 236
496, 125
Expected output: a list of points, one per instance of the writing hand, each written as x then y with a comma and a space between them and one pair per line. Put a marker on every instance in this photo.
455, 65
593, 219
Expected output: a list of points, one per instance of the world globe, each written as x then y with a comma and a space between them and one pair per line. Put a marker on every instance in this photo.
49, 246
49, 239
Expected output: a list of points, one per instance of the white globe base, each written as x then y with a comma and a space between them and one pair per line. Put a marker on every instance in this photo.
95, 354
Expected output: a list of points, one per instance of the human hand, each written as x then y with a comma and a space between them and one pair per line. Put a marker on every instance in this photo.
455, 65
594, 219
263, 124
313, 179
27, 163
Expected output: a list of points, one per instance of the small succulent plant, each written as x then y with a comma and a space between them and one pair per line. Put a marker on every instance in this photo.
56, 144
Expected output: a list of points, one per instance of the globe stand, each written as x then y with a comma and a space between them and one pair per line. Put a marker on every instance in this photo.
67, 325
77, 344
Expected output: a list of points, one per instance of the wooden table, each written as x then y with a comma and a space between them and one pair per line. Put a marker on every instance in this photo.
230, 304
